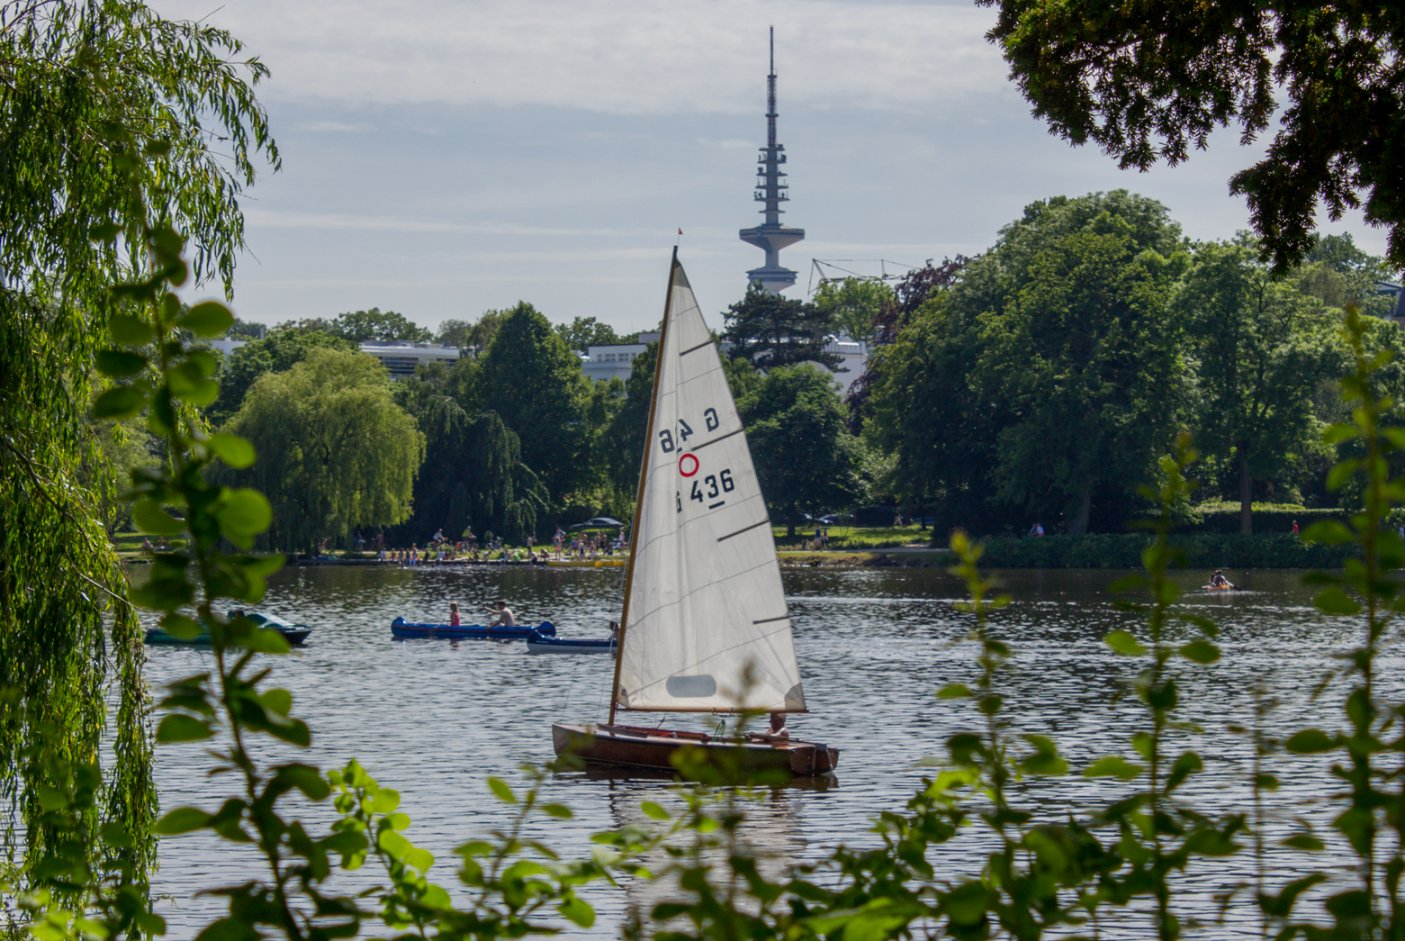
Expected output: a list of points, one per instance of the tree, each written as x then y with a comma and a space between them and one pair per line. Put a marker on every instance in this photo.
280, 350
584, 332
1053, 366
368, 326
454, 332
1338, 273
805, 458
1262, 347
771, 330
472, 473
854, 305
110, 117
477, 336
533, 381
1149, 83
335, 451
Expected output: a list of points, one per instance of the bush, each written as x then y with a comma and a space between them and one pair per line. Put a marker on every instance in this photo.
1268, 518
1124, 551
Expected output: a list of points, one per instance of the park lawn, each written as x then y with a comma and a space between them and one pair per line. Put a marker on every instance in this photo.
855, 537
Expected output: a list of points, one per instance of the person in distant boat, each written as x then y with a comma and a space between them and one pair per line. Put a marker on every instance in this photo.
1037, 529
505, 616
778, 729
454, 614
1219, 581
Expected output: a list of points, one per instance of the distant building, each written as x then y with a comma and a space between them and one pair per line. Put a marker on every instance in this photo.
402, 359
399, 359
614, 360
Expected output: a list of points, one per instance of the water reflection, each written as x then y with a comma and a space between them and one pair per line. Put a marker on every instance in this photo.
434, 719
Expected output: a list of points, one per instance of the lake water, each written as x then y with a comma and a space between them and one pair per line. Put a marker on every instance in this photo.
434, 719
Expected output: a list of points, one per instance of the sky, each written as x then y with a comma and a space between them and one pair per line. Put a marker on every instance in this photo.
446, 157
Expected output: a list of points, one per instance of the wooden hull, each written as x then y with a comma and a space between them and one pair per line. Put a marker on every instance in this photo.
403, 628
625, 746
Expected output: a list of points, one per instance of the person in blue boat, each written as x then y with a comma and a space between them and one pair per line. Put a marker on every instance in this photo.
505, 616
453, 614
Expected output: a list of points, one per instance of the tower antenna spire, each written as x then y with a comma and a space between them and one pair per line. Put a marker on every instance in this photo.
771, 191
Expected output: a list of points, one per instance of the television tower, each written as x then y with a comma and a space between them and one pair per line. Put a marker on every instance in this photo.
771, 189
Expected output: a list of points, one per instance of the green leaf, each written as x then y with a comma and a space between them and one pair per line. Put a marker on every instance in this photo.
577, 912
183, 820
1306, 842
127, 330
233, 450
654, 811
181, 728
1124, 643
1310, 742
228, 929
500, 789
121, 402
181, 627
150, 517
208, 320
244, 514
1113, 766
120, 363
385, 801
1200, 651
1336, 601
559, 811
954, 691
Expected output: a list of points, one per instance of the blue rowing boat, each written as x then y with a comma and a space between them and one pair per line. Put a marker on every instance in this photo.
403, 628
545, 643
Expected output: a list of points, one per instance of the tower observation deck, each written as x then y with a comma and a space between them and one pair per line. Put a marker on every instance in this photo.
771, 191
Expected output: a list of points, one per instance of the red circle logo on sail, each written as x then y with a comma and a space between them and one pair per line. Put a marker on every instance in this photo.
688, 465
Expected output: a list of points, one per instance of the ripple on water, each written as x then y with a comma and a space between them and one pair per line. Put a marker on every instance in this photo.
433, 719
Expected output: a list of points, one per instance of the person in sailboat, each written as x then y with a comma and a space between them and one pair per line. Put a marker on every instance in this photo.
505, 616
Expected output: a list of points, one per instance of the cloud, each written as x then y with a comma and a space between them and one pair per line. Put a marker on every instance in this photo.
346, 222
334, 127
614, 56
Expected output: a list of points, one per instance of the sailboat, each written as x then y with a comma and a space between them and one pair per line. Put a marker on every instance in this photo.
705, 626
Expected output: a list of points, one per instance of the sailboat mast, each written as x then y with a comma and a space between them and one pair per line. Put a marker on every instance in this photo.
639, 491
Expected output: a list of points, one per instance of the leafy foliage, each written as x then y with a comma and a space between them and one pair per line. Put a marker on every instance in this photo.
1262, 349
367, 326
107, 113
771, 330
338, 453
854, 305
584, 332
805, 457
1150, 87
534, 383
278, 350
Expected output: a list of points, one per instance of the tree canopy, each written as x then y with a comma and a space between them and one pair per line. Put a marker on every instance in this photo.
805, 458
1148, 83
533, 381
1262, 347
771, 330
335, 453
277, 351
368, 326
854, 305
584, 332
111, 117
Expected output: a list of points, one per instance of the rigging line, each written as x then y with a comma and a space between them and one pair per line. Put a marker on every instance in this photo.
714, 441
694, 349
783, 617
764, 522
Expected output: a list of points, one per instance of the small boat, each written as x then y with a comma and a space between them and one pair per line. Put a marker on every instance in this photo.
705, 627
546, 643
403, 628
294, 634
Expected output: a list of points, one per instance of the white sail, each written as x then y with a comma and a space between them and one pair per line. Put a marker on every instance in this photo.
707, 624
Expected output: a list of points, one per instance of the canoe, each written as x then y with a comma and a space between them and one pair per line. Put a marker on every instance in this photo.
294, 634
403, 628
545, 643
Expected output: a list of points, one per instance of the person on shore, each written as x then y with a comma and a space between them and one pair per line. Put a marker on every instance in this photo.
505, 616
1295, 527
454, 614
